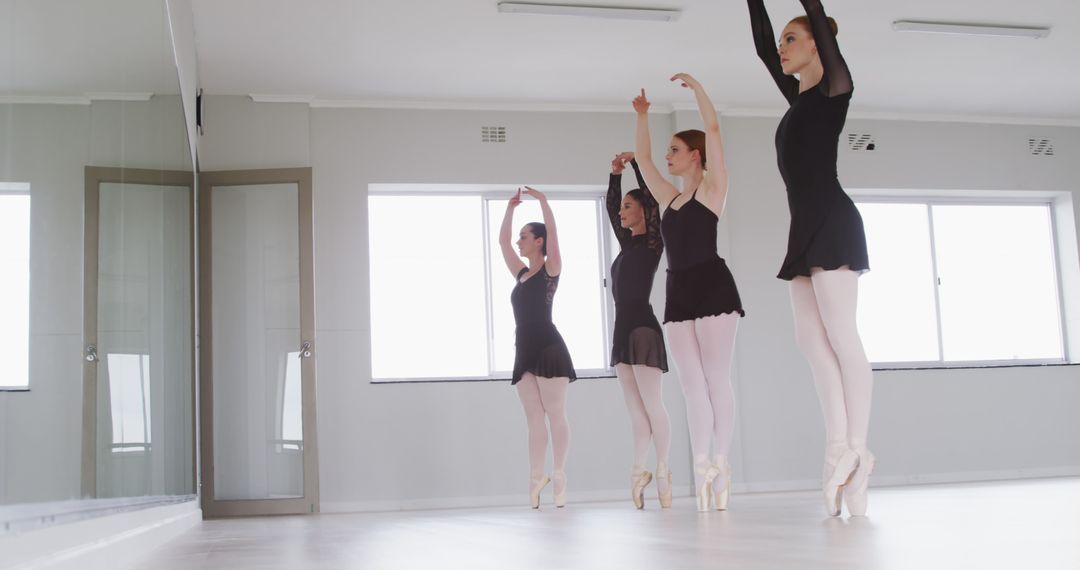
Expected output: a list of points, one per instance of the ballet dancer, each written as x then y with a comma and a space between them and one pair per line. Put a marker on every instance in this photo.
637, 350
826, 249
702, 307
542, 365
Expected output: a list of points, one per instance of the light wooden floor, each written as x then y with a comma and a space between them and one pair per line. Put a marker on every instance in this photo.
1021, 525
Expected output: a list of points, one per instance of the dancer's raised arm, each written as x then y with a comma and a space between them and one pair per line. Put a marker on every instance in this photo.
513, 262
715, 184
837, 77
650, 208
551, 242
765, 42
615, 197
652, 211
662, 190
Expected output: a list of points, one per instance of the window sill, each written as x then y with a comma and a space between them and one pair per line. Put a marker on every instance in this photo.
967, 365
587, 376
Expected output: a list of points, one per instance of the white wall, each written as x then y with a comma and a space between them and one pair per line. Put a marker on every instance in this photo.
389, 446
48, 146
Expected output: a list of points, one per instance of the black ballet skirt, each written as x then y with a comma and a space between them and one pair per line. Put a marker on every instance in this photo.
699, 283
637, 338
826, 228
539, 348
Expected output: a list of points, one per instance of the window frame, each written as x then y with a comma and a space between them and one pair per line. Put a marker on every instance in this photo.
22, 189
487, 193
930, 200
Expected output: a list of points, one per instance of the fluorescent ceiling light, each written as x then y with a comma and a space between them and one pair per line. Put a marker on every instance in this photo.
610, 12
971, 29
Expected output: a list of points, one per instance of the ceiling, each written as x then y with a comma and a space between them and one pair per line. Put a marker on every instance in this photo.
465, 52
68, 48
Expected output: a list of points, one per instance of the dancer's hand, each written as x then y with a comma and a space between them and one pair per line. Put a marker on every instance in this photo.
687, 80
515, 200
619, 163
641, 104
534, 193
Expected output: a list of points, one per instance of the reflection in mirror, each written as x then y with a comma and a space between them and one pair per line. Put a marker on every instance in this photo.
96, 391
258, 430
142, 335
129, 402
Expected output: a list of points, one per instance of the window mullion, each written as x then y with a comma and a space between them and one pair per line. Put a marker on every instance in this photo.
1059, 285
937, 283
608, 303
486, 229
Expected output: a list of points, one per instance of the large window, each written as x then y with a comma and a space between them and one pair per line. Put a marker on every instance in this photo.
440, 291
15, 286
955, 283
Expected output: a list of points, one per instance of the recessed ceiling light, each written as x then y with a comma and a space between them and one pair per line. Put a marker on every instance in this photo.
610, 12
970, 29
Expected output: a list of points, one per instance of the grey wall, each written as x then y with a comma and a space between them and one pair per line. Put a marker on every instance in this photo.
444, 444
931, 425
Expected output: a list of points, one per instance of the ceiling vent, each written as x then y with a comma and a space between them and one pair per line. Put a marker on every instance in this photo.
493, 134
861, 141
1041, 147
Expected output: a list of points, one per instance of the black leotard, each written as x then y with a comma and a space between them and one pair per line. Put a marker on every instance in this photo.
699, 283
638, 338
826, 228
539, 348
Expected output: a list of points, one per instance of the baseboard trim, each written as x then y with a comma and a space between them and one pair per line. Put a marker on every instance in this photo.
685, 491
482, 502
104, 542
913, 480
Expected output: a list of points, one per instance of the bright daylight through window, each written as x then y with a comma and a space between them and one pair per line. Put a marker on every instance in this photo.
440, 292
957, 282
15, 286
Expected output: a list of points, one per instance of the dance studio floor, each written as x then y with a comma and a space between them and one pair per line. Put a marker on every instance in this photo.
1028, 524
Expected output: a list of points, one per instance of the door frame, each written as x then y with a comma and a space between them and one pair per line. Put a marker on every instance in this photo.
94, 177
309, 503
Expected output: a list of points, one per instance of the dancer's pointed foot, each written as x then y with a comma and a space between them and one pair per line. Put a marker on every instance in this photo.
840, 465
536, 485
559, 478
706, 473
855, 492
663, 485
722, 483
639, 479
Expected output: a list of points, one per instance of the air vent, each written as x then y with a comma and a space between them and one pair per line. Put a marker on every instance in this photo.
493, 134
861, 141
1041, 147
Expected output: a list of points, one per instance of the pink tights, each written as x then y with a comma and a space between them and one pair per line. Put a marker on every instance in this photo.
703, 350
545, 398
